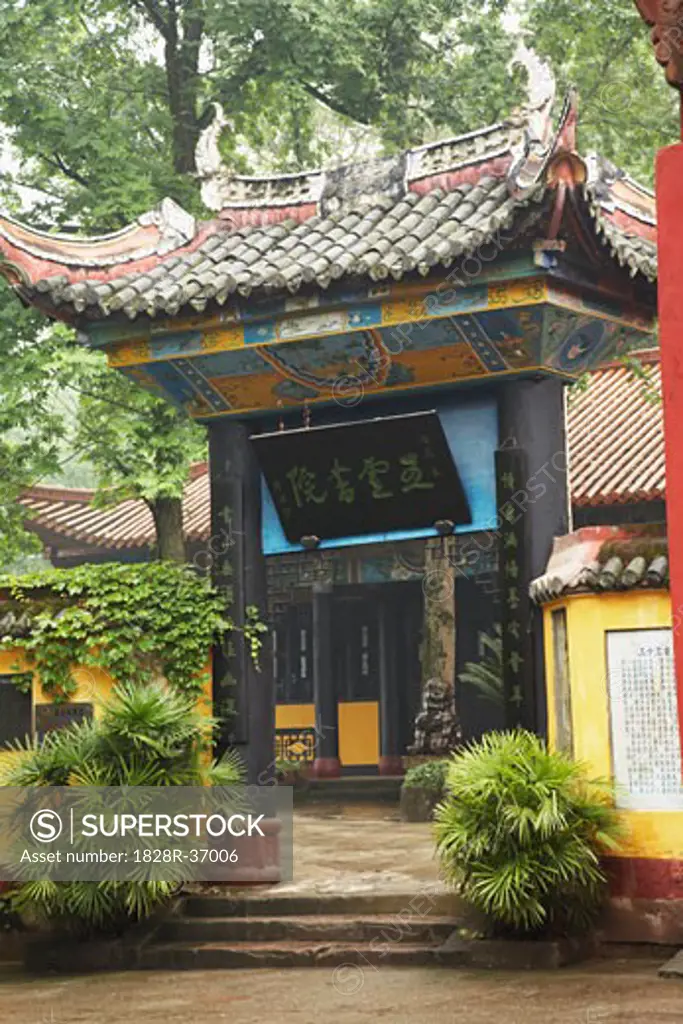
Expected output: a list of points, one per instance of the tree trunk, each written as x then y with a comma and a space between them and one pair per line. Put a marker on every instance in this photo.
168, 520
182, 46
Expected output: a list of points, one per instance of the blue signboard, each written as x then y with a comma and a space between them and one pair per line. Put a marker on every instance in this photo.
471, 429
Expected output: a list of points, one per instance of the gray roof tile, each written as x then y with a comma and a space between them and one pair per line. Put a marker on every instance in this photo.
628, 569
370, 220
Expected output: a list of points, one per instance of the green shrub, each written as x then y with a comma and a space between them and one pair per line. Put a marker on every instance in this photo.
147, 735
521, 831
283, 767
430, 775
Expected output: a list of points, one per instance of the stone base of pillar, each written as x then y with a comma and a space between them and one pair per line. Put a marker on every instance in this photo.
390, 764
326, 768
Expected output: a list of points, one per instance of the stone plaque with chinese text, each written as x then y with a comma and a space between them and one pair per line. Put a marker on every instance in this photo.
646, 748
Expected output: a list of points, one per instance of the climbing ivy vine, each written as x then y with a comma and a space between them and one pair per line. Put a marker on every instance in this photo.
137, 622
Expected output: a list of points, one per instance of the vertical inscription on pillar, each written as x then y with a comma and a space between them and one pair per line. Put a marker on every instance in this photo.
224, 539
514, 587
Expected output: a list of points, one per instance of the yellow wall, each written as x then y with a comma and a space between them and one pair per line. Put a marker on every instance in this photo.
358, 728
655, 834
295, 716
358, 722
93, 685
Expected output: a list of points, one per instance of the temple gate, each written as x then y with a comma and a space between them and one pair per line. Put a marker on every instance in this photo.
379, 353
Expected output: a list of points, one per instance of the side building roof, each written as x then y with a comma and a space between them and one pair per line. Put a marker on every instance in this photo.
603, 559
615, 431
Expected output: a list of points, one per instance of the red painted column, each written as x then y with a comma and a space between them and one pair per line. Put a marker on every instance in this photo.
670, 284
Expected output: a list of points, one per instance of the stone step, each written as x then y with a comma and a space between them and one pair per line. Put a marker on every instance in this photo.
673, 968
321, 929
413, 905
353, 789
354, 958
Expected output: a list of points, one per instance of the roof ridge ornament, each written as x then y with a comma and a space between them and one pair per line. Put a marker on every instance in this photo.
173, 227
541, 87
176, 226
211, 171
537, 139
222, 189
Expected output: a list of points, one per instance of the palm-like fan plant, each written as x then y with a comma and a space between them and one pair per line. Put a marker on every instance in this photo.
521, 832
486, 674
146, 735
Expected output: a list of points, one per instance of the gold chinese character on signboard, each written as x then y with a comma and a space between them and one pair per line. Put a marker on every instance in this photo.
372, 471
412, 475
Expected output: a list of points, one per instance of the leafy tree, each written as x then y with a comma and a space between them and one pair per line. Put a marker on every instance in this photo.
140, 446
103, 102
627, 111
105, 98
30, 430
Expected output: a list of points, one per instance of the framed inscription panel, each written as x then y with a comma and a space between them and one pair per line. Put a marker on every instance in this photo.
646, 750
59, 716
371, 476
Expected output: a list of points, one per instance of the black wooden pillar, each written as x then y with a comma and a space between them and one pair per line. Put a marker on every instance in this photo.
390, 761
533, 509
239, 571
326, 764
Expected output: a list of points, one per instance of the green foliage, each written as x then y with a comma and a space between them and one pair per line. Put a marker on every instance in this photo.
644, 374
147, 735
30, 429
138, 622
87, 907
486, 674
61, 402
627, 111
283, 767
521, 832
253, 630
104, 99
139, 445
9, 919
430, 775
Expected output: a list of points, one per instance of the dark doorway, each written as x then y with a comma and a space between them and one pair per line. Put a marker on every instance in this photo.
15, 711
293, 653
357, 612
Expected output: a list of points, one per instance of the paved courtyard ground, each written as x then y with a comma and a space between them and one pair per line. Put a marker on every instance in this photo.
356, 849
360, 848
605, 993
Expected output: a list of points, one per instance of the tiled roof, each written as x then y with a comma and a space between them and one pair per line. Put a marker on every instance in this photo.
386, 218
386, 238
624, 214
616, 436
70, 514
600, 559
616, 442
